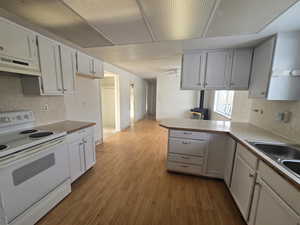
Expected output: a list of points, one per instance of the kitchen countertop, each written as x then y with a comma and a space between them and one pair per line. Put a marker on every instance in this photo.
241, 132
67, 126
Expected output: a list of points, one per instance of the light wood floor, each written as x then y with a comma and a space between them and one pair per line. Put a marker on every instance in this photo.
130, 186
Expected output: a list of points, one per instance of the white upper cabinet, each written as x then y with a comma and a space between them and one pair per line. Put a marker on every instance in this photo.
68, 65
50, 67
85, 64
193, 70
261, 69
218, 69
98, 68
18, 49
241, 68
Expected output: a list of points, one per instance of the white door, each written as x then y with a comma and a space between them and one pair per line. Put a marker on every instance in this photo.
85, 64
242, 185
89, 150
229, 161
261, 69
16, 42
241, 68
68, 65
77, 163
270, 209
98, 68
193, 68
50, 66
218, 69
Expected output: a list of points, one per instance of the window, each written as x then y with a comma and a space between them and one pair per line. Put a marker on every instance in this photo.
223, 103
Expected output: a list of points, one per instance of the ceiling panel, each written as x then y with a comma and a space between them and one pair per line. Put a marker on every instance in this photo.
120, 21
235, 17
56, 17
177, 19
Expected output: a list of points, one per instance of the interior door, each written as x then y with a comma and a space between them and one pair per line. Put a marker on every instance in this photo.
68, 64
218, 69
242, 185
261, 69
193, 68
270, 209
50, 66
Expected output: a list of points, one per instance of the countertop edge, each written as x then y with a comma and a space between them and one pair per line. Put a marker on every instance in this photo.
281, 171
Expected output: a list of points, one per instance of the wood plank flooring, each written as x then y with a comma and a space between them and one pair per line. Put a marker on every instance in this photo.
130, 186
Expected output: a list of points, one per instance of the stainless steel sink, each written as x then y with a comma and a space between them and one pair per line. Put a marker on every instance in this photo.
287, 156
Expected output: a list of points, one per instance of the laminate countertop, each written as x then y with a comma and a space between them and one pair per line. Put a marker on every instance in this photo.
242, 133
67, 126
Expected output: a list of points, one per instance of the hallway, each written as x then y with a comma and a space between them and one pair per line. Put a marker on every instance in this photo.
130, 186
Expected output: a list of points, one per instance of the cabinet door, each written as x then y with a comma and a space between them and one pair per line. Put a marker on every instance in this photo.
98, 68
241, 67
77, 163
270, 209
89, 150
229, 161
242, 185
16, 42
50, 66
85, 64
218, 69
261, 69
193, 68
68, 65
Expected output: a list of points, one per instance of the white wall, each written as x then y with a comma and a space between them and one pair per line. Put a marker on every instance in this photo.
171, 102
125, 79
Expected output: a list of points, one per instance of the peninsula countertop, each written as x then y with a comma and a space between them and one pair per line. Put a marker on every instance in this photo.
242, 133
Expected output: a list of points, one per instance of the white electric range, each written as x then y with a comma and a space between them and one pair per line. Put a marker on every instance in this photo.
34, 169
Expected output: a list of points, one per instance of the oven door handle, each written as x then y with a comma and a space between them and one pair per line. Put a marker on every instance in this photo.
11, 159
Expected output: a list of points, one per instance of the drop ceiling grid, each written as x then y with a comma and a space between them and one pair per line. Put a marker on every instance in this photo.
177, 19
121, 21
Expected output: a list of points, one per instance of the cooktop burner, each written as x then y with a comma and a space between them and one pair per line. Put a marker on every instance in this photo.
40, 134
2, 147
28, 131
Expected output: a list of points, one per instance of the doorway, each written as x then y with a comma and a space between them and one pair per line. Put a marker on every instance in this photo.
109, 104
131, 107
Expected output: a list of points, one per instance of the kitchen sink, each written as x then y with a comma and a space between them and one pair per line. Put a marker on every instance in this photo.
293, 165
287, 156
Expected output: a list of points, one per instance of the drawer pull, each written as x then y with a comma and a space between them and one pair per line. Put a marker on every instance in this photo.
185, 157
184, 166
187, 133
186, 142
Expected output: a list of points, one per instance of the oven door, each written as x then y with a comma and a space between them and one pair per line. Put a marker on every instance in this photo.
26, 177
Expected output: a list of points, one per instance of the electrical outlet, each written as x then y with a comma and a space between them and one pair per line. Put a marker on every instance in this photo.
45, 107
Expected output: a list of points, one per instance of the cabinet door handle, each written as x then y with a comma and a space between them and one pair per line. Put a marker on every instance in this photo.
1, 48
232, 84
251, 175
263, 93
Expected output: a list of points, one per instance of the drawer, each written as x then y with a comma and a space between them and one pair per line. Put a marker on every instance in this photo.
188, 146
189, 134
289, 193
184, 168
185, 159
248, 156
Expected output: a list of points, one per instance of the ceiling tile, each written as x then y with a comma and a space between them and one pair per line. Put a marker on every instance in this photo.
236, 17
177, 19
120, 21
56, 17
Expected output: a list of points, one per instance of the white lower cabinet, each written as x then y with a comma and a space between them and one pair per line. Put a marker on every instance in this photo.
269, 209
82, 152
229, 160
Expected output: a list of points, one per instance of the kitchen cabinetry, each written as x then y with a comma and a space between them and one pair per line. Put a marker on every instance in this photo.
229, 161
82, 152
68, 66
50, 67
243, 179
193, 71
18, 49
217, 69
89, 66
269, 208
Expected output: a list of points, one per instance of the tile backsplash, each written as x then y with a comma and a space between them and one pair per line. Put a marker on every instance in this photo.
12, 98
267, 120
